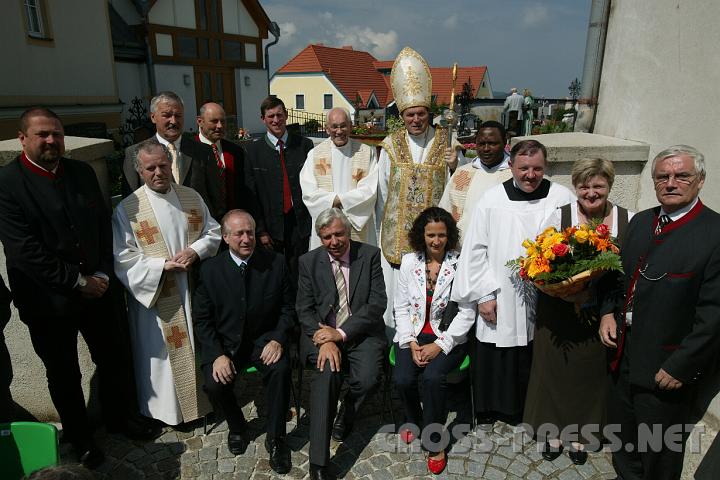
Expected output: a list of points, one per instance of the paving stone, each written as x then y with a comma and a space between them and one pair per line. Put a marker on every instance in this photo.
380, 461
500, 462
171, 474
146, 461
417, 467
603, 465
208, 453
245, 462
570, 475
224, 452
209, 468
194, 443
479, 457
213, 440
263, 465
244, 475
223, 476
475, 469
226, 465
381, 475
398, 470
297, 473
135, 455
456, 466
546, 468
167, 464
534, 476
177, 448
518, 468
587, 470
168, 437
492, 473
153, 447
125, 472
362, 468
190, 471
119, 449
563, 462
161, 454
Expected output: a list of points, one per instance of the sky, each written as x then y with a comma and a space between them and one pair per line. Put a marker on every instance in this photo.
538, 45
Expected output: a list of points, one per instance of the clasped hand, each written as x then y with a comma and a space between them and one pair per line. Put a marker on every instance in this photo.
95, 288
422, 356
182, 261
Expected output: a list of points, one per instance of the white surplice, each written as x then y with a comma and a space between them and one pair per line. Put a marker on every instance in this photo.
358, 201
141, 275
495, 235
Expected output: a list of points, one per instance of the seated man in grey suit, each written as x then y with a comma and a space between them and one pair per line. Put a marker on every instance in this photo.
340, 303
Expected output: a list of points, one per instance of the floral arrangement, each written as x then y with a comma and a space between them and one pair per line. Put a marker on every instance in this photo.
243, 134
470, 150
562, 263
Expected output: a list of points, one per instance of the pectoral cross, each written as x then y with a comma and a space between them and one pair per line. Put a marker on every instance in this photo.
177, 337
323, 167
146, 233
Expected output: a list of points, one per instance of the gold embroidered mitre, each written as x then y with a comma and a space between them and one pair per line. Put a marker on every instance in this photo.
411, 80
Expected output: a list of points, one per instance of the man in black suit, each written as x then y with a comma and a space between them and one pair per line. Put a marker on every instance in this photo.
6, 403
194, 164
243, 313
55, 227
668, 315
340, 303
273, 168
229, 157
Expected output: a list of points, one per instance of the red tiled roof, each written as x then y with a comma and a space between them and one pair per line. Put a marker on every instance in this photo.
351, 71
355, 72
442, 81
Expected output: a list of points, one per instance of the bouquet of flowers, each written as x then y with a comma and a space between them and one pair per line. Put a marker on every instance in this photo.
243, 134
562, 263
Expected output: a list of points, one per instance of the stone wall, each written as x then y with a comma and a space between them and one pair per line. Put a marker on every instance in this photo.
29, 386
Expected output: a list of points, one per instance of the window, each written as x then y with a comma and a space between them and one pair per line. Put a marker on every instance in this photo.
232, 50
36, 26
300, 102
327, 101
187, 46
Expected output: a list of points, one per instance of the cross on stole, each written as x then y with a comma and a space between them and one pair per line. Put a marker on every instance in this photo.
194, 219
358, 175
323, 167
147, 233
176, 337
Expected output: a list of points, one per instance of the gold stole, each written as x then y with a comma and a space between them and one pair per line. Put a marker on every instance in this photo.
411, 189
360, 163
168, 301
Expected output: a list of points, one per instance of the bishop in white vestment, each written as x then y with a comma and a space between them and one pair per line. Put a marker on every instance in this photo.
342, 172
159, 231
504, 216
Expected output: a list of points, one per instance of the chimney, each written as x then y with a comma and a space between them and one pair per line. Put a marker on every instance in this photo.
347, 47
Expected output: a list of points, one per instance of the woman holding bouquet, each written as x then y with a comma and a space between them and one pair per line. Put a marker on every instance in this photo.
567, 389
430, 330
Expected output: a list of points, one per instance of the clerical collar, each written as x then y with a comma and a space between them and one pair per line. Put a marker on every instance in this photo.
274, 140
176, 143
239, 261
42, 171
678, 214
516, 194
503, 165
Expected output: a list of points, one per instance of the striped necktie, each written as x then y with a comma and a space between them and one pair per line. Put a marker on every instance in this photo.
343, 313
175, 167
662, 222
218, 159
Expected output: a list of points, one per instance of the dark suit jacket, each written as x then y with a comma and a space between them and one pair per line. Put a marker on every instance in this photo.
676, 306
317, 294
52, 230
230, 311
265, 180
199, 172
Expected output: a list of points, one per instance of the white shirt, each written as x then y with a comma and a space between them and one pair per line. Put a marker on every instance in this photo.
217, 145
678, 214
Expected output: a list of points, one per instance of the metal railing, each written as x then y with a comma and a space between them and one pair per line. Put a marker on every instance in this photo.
310, 124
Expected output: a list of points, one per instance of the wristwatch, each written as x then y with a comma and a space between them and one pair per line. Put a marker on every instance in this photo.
82, 282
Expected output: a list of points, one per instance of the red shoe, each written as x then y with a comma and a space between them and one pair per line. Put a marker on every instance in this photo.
437, 466
407, 436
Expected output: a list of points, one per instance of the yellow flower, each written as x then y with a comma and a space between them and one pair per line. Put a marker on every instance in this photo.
582, 235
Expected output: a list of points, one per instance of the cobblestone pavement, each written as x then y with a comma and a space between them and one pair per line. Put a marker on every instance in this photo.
368, 453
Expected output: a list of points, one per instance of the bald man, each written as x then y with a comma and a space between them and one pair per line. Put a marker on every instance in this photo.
342, 172
229, 158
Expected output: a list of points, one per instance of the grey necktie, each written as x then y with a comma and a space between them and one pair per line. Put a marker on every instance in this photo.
662, 222
342, 314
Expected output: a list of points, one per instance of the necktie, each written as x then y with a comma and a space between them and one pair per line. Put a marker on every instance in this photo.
175, 167
287, 196
662, 221
242, 268
343, 313
218, 159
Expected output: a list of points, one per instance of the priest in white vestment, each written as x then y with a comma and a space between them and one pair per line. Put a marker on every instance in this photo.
504, 216
159, 232
414, 166
470, 181
342, 173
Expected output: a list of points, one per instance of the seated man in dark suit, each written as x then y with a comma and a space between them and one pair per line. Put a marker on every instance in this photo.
243, 314
340, 303
193, 163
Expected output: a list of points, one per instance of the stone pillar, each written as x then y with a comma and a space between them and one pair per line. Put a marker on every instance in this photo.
29, 387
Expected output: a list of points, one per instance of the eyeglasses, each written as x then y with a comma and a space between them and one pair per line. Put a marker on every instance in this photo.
682, 178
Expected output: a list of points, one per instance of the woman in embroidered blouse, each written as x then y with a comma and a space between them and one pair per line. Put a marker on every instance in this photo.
430, 332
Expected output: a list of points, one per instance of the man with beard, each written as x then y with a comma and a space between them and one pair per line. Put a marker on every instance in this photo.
229, 157
55, 228
470, 181
341, 172
502, 219
193, 163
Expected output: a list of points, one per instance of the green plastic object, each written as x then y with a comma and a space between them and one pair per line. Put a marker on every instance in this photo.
26, 447
463, 366
251, 369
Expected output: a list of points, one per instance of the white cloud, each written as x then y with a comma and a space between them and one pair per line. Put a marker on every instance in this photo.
287, 32
451, 21
326, 16
382, 45
535, 15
